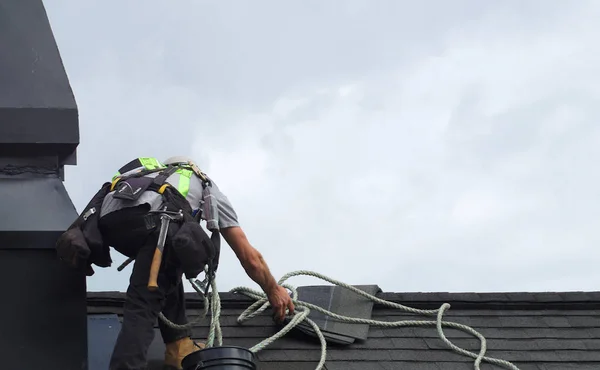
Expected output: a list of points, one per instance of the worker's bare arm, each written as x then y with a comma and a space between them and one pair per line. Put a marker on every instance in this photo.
250, 258
256, 267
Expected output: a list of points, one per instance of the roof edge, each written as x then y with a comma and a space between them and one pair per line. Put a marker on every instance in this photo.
570, 300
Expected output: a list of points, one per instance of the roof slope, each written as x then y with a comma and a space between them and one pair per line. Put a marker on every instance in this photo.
535, 331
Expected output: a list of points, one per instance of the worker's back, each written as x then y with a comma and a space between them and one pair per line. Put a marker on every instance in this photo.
184, 180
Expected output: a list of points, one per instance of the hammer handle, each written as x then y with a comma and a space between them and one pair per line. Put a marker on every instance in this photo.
154, 267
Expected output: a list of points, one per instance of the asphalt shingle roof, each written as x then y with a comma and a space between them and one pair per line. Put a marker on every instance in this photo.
535, 331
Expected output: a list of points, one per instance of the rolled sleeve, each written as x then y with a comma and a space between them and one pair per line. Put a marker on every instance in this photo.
227, 215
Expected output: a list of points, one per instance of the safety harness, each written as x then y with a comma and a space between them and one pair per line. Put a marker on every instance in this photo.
132, 186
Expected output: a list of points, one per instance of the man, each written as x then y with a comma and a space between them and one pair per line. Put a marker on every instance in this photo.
124, 224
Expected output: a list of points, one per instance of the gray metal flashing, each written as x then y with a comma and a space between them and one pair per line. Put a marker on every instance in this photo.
38, 112
34, 212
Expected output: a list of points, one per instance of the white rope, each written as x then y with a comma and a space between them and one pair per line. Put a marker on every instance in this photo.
303, 310
212, 302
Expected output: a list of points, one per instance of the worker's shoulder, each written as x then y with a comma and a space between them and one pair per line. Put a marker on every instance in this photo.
216, 191
197, 184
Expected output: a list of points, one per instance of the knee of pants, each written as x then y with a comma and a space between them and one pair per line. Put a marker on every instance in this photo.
140, 299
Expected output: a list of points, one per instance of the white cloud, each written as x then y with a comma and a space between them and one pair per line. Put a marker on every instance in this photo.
455, 154
422, 193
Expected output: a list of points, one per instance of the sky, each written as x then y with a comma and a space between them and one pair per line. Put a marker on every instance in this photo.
439, 146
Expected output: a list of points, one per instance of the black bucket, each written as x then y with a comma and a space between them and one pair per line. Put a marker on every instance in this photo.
220, 358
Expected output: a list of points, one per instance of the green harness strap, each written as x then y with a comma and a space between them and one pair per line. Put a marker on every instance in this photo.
151, 165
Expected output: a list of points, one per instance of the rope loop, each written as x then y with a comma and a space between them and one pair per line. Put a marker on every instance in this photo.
303, 310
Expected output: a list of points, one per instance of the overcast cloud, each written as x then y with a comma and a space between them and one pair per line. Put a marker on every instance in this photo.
446, 146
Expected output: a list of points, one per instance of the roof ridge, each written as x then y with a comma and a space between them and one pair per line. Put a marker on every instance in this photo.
569, 300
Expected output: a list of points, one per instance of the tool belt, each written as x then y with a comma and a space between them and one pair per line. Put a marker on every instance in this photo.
192, 246
83, 244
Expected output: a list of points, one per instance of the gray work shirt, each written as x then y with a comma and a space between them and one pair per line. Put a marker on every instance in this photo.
227, 215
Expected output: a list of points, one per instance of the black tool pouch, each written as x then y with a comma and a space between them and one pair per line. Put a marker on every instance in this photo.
82, 243
100, 251
193, 248
72, 248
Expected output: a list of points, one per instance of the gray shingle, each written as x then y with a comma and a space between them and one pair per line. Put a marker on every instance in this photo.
290, 365
577, 296
592, 344
408, 343
584, 321
500, 344
548, 297
569, 366
380, 365
556, 321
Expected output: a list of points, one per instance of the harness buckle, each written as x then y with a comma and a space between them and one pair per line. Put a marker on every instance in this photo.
88, 213
200, 286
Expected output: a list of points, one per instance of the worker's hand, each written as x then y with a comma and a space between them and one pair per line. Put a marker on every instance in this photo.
280, 301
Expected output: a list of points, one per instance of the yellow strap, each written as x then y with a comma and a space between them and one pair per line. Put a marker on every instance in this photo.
163, 188
114, 183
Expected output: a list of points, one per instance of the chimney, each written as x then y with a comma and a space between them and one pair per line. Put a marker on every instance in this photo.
43, 323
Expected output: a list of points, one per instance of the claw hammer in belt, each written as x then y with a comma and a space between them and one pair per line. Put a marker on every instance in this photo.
165, 218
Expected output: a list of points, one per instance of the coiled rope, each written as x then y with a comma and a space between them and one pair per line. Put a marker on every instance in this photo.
303, 309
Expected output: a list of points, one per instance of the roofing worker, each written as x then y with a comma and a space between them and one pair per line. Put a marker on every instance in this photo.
127, 221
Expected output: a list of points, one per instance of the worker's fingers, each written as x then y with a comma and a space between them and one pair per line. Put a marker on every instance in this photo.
281, 303
282, 313
277, 315
289, 306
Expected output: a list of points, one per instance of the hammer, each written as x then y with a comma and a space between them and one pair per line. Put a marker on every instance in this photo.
165, 218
